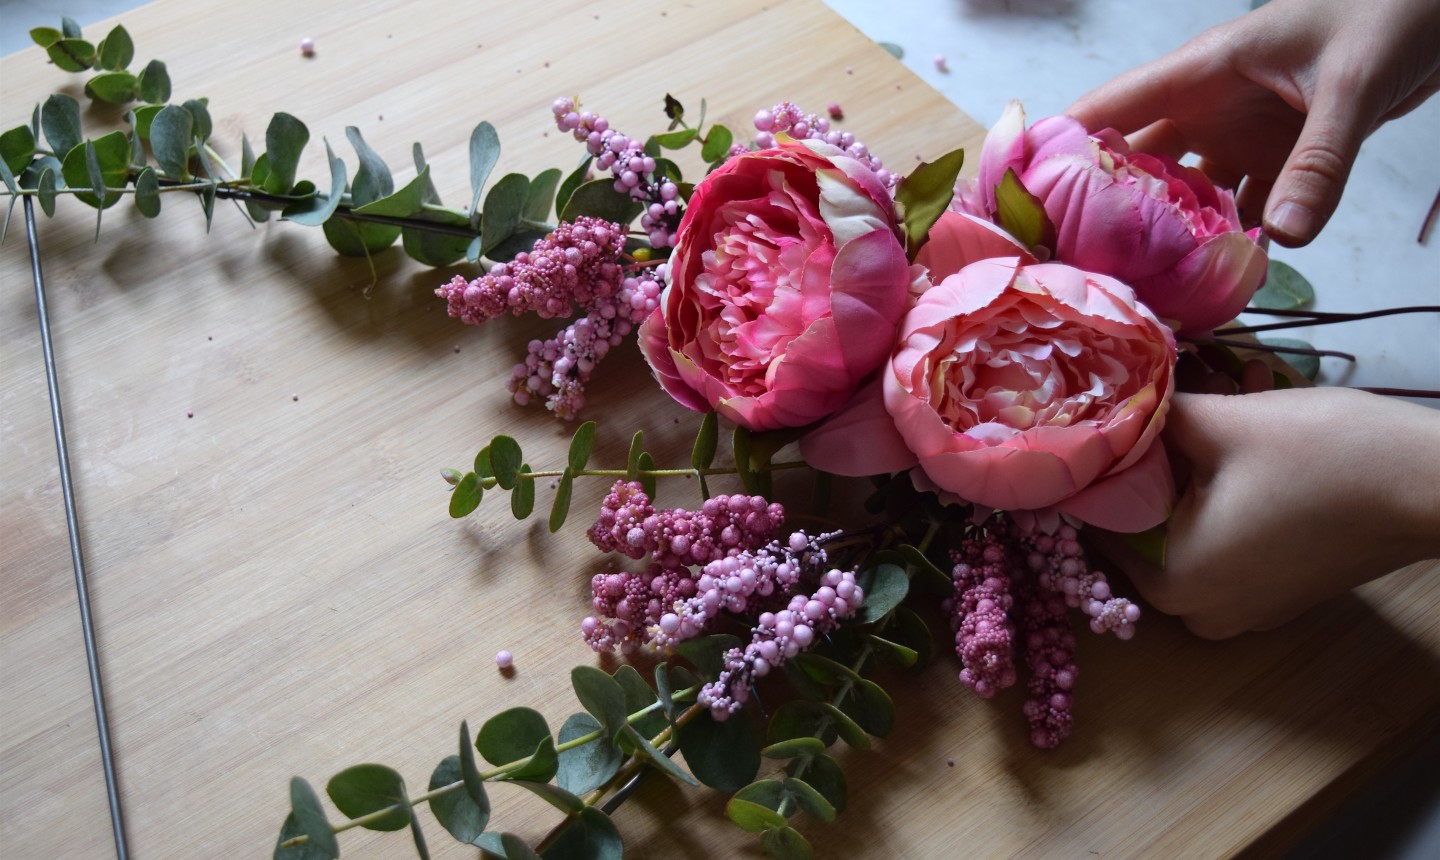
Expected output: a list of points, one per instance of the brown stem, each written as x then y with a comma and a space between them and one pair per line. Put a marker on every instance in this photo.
1293, 350
1307, 318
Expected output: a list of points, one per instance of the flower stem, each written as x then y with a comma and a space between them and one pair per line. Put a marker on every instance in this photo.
1294, 350
1309, 318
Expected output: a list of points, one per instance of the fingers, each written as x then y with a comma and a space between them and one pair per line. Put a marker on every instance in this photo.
1308, 189
1128, 103
1162, 138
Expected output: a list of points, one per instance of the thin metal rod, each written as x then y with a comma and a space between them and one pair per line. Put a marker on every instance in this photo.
97, 692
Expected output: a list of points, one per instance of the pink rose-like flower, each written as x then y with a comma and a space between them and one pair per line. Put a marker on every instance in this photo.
1022, 388
788, 278
1161, 227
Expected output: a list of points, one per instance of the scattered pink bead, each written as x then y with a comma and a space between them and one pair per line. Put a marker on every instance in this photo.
189, 414
504, 659
307, 47
835, 111
940, 64
295, 397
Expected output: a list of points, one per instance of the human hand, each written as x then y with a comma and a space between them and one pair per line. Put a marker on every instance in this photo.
1293, 497
1281, 97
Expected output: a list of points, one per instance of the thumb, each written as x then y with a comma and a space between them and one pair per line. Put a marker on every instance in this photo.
1308, 189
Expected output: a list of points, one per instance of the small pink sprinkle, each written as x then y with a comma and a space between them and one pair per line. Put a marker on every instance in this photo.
849, 70
307, 47
835, 111
940, 63
189, 414
504, 659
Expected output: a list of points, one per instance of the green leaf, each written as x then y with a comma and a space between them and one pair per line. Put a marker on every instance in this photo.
201, 116
706, 441
673, 109
723, 755
541, 764
470, 774
740, 444
372, 179
907, 628
1284, 289
639, 696
934, 576
434, 248
482, 463
572, 182
505, 459
923, 195
602, 696
403, 203
825, 670
599, 199
560, 508
581, 446
717, 143
138, 157
647, 752
430, 196
1308, 365
367, 788
147, 193
870, 707
893, 49
512, 735
824, 774
466, 496
522, 500
503, 207
72, 55
100, 164
885, 586
646, 465
316, 210
302, 851
590, 765
17, 147
45, 36
170, 140
1021, 213
420, 850
707, 653
541, 192
677, 139
484, 153
809, 799
60, 118
155, 83
69, 27
893, 651
801, 747
285, 140
796, 719
632, 459
145, 116
786, 843
523, 239
116, 50
751, 816
46, 189
590, 835
310, 816
552, 794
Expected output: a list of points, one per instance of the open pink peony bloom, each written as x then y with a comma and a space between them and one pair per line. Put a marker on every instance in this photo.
1147, 220
1023, 388
788, 277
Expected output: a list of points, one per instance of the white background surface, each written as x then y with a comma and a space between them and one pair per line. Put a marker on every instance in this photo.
1047, 53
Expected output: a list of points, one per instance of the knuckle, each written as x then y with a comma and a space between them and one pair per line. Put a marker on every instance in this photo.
1319, 162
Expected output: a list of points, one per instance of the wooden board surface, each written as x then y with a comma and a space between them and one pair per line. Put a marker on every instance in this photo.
279, 592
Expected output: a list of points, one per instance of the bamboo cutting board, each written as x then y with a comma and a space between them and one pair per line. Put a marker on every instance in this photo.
278, 590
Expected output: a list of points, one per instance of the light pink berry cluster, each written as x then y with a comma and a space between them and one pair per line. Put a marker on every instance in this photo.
573, 264
786, 117
633, 170
1059, 561
740, 584
980, 615
1005, 579
558, 368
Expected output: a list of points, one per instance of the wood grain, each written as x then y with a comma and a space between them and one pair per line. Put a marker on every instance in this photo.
278, 590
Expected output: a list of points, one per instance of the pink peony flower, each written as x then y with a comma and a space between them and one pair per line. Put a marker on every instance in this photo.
788, 277
1023, 388
1147, 220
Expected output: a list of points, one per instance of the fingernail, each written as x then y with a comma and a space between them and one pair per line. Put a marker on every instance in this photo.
1290, 220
